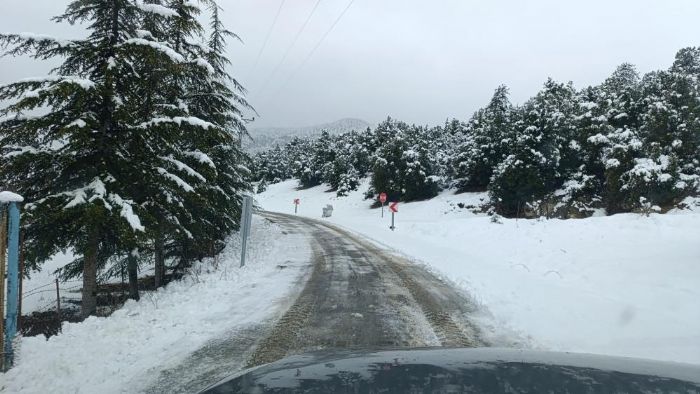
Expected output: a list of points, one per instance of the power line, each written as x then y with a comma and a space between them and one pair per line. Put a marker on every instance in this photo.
323, 38
269, 32
289, 48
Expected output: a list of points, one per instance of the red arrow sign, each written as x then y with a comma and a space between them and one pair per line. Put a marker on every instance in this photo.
394, 207
382, 198
296, 201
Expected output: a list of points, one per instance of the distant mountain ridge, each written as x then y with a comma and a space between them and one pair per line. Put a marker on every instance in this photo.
267, 137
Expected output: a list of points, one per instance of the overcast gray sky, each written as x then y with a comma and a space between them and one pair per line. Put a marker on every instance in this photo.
421, 61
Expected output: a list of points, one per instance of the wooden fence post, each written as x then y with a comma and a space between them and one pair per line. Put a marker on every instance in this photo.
58, 306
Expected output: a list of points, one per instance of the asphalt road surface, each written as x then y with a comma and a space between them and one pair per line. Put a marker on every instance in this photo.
355, 296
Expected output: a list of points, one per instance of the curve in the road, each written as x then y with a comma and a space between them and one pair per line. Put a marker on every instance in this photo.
360, 296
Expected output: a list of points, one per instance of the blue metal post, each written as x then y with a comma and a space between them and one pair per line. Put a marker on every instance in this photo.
12, 280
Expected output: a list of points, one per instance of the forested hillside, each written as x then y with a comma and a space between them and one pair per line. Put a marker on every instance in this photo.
264, 138
629, 144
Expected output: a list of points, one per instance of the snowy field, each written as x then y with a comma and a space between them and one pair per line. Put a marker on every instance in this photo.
623, 285
127, 351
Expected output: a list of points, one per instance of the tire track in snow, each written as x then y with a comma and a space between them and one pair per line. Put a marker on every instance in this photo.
360, 296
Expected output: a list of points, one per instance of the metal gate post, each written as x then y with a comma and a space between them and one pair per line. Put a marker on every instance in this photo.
12, 281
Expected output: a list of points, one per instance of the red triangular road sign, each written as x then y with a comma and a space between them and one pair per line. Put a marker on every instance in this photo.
394, 206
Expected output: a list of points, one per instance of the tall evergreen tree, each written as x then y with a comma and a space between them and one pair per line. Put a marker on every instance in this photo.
136, 151
70, 162
542, 139
485, 142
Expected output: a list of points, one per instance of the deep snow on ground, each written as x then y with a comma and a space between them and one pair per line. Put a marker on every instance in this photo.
126, 351
622, 285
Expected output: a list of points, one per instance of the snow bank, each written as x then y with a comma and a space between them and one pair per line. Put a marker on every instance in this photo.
624, 285
127, 351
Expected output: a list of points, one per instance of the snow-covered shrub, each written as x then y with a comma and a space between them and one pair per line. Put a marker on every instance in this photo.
349, 181
515, 183
655, 181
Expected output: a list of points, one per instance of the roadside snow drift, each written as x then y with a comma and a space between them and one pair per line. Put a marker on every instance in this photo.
623, 285
126, 351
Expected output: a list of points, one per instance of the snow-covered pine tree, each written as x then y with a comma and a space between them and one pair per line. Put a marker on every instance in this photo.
162, 187
196, 165
404, 167
666, 170
324, 156
685, 74
72, 161
582, 188
349, 181
312, 159
533, 168
420, 165
485, 141
620, 145
351, 163
440, 144
335, 172
390, 138
123, 154
273, 165
215, 96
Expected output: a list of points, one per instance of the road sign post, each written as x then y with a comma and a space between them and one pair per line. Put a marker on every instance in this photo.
296, 205
382, 199
394, 208
246, 219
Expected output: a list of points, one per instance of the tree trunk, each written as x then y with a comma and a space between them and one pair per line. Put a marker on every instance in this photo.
89, 302
132, 268
160, 261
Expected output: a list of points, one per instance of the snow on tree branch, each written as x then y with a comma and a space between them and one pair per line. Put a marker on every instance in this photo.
201, 157
156, 9
84, 83
127, 212
184, 167
179, 181
171, 53
179, 120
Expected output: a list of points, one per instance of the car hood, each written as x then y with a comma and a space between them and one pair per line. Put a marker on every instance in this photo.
460, 370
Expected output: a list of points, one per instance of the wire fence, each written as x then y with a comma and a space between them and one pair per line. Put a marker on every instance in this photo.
43, 289
38, 289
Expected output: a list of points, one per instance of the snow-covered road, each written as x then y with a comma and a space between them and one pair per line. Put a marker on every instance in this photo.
622, 285
360, 296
